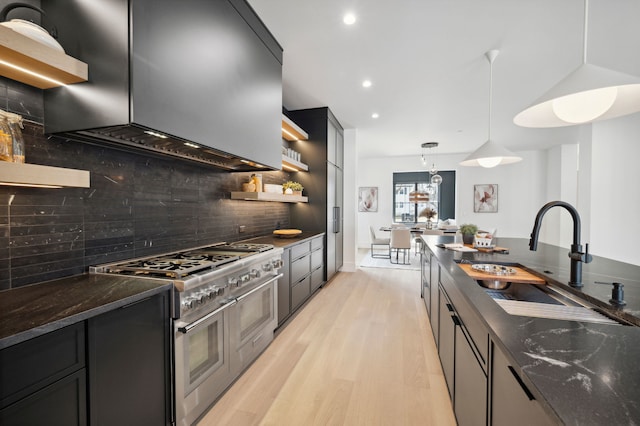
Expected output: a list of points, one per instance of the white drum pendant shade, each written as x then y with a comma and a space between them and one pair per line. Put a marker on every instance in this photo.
590, 93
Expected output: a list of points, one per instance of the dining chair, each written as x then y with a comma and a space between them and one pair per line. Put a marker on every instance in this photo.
375, 241
401, 242
419, 229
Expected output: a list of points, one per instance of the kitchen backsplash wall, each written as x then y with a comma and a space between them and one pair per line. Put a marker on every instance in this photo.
137, 204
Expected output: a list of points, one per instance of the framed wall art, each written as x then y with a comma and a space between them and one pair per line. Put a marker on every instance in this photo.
368, 199
485, 198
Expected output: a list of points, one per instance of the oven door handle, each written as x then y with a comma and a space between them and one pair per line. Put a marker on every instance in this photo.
187, 328
261, 286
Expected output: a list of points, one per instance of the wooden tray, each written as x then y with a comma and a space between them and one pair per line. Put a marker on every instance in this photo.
521, 276
287, 233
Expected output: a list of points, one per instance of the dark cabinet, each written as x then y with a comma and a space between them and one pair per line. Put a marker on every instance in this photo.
447, 340
284, 287
511, 401
470, 384
62, 403
303, 274
462, 347
435, 278
129, 364
323, 184
203, 71
42, 380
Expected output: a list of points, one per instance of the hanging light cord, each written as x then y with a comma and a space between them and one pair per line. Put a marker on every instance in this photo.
584, 36
491, 56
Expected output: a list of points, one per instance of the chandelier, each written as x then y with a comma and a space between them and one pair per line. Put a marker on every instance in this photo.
436, 179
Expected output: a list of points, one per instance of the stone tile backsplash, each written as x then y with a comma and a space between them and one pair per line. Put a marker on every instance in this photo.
137, 205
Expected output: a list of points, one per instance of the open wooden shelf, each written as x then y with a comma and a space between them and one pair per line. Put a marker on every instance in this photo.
291, 131
21, 51
269, 196
18, 174
293, 165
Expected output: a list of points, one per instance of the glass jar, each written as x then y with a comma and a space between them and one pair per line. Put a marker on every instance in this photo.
6, 141
15, 125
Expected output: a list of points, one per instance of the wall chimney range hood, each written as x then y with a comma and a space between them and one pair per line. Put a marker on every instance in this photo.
146, 140
199, 80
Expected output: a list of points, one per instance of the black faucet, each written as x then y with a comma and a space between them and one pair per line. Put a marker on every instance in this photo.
576, 255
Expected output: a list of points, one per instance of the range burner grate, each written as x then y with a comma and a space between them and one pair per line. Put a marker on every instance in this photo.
252, 247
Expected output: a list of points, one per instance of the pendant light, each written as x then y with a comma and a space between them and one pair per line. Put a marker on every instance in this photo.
590, 93
490, 154
436, 179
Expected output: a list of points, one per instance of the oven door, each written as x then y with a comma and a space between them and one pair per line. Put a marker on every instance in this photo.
254, 318
202, 362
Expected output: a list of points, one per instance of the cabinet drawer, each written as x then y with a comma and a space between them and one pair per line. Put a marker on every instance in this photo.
300, 292
62, 403
300, 268
36, 363
316, 259
317, 243
300, 250
317, 278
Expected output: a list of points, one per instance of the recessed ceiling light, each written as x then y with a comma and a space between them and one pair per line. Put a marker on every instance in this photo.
349, 18
375, 115
366, 83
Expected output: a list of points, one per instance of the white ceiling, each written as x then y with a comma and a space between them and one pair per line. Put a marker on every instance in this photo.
426, 61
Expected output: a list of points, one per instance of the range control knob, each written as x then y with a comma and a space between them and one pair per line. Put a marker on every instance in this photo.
188, 303
277, 263
267, 267
233, 281
254, 273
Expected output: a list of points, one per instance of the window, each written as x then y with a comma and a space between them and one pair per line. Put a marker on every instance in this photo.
441, 198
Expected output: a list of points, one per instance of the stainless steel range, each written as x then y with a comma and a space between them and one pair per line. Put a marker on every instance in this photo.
224, 314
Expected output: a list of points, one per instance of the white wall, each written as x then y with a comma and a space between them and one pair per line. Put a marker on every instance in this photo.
521, 191
615, 202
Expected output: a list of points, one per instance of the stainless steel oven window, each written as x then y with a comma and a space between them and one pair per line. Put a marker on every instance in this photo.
204, 352
255, 311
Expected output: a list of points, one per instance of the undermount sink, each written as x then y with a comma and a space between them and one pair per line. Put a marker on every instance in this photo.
545, 302
521, 293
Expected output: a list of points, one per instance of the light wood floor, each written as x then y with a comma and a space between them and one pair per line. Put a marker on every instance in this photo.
360, 352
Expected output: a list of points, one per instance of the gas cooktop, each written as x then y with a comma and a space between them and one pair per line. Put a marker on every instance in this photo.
180, 264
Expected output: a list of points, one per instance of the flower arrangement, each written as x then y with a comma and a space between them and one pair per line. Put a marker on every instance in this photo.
290, 187
428, 212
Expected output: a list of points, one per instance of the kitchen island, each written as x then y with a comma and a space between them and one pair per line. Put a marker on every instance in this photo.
567, 372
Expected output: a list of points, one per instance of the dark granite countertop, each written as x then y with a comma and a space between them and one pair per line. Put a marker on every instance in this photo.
30, 311
581, 373
284, 242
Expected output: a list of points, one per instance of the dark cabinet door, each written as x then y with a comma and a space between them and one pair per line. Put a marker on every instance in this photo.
284, 288
129, 364
470, 400
447, 340
332, 223
511, 400
435, 307
425, 274
62, 403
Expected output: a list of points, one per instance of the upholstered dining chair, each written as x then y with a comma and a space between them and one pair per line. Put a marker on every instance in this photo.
401, 242
384, 242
